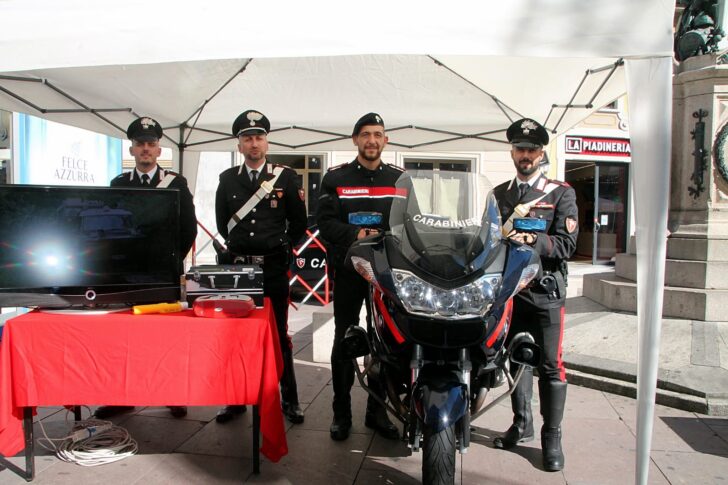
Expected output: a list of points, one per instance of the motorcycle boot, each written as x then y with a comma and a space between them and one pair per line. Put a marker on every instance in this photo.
342, 378
376, 416
289, 390
553, 400
228, 413
341, 425
521, 430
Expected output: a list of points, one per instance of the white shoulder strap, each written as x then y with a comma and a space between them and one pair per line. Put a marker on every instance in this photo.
266, 187
164, 183
522, 210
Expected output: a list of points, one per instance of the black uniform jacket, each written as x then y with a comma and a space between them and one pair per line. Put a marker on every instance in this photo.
558, 242
353, 188
276, 222
188, 220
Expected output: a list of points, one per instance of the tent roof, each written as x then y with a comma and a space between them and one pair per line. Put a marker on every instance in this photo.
39, 34
466, 70
323, 96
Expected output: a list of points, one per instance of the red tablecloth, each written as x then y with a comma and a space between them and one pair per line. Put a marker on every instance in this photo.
143, 360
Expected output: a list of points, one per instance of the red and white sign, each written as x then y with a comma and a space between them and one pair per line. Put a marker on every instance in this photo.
595, 146
370, 192
315, 263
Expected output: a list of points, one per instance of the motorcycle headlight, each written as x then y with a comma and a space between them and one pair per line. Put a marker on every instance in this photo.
422, 298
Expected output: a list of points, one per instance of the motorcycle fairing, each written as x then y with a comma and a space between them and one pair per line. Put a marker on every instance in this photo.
440, 400
386, 318
519, 256
499, 331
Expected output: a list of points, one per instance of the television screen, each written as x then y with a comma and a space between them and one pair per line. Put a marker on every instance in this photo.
88, 246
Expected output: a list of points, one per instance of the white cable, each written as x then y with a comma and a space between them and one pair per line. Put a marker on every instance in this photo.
92, 442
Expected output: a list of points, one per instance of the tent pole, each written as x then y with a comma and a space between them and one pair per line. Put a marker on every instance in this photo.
181, 148
649, 83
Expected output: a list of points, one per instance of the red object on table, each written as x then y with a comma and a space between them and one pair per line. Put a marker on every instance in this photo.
171, 359
223, 306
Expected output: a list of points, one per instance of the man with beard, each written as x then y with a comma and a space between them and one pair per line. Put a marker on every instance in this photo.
260, 211
539, 309
145, 134
363, 186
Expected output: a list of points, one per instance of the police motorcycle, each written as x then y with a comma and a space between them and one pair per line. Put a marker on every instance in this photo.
442, 278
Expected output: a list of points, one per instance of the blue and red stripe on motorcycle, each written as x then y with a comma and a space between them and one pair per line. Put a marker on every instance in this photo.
388, 321
500, 330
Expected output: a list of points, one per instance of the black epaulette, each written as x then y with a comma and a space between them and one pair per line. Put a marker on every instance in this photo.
399, 169
336, 167
121, 175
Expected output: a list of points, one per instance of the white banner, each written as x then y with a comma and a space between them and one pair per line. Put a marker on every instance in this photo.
49, 153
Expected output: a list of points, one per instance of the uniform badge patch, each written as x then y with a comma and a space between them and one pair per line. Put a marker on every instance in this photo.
302, 195
254, 116
527, 126
273, 203
146, 122
570, 224
300, 262
279, 194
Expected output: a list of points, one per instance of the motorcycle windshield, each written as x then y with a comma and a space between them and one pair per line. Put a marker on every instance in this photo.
448, 222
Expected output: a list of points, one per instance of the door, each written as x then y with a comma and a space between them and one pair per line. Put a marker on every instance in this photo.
601, 196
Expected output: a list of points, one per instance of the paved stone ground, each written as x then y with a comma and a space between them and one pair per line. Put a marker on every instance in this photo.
599, 440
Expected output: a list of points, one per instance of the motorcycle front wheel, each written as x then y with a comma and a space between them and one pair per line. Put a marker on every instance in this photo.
438, 460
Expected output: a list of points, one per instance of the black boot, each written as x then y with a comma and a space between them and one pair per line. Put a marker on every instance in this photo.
106, 412
178, 411
340, 428
342, 378
377, 419
553, 400
289, 390
521, 430
228, 413
376, 416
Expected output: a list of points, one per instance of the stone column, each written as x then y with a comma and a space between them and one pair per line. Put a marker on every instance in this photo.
696, 273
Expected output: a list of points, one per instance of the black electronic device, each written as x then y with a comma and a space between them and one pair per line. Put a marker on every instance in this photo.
366, 219
529, 224
88, 246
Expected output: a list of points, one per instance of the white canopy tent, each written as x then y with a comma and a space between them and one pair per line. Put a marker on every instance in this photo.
449, 102
458, 73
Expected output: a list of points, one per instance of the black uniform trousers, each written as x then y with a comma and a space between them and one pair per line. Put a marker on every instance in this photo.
275, 288
546, 323
350, 292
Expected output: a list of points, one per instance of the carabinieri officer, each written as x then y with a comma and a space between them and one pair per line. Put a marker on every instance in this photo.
539, 309
260, 211
145, 134
364, 185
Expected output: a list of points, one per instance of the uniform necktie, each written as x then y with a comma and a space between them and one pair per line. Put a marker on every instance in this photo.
522, 189
253, 176
145, 180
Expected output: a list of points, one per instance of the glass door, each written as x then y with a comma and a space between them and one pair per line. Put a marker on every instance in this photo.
601, 196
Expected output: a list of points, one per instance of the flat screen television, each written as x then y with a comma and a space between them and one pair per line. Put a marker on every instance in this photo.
88, 246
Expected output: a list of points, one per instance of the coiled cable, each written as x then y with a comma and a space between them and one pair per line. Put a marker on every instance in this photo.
92, 442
